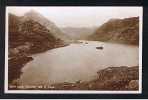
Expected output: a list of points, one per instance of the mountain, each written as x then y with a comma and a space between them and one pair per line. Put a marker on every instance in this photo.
55, 31
27, 37
78, 33
118, 30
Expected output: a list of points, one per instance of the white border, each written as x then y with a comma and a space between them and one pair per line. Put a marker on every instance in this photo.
73, 91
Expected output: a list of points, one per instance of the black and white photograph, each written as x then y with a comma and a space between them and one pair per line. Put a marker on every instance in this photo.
69, 49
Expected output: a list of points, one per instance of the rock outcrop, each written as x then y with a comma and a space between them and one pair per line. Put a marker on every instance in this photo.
111, 78
117, 78
15, 64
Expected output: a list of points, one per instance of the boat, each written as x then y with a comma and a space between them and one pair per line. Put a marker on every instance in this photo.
99, 47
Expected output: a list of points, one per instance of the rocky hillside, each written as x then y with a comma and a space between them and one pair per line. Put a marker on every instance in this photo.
27, 37
118, 30
55, 31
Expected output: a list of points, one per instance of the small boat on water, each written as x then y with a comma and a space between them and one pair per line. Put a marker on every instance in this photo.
99, 47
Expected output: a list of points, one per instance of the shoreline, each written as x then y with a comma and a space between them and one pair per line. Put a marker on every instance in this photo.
17, 62
110, 78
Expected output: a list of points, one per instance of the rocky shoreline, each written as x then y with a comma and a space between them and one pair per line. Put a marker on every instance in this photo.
111, 78
17, 62
15, 65
28, 37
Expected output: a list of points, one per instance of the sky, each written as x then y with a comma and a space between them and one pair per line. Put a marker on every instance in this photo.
79, 16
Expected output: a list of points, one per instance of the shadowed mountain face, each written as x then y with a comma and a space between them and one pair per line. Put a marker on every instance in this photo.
27, 36
118, 30
30, 36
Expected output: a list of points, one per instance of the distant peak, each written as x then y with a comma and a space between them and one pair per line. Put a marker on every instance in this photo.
32, 13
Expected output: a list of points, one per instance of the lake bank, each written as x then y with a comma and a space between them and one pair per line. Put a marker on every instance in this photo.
111, 78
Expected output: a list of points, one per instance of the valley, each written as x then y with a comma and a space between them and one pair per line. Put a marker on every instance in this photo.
94, 58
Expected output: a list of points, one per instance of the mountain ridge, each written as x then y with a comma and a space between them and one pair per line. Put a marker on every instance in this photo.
55, 31
22, 31
27, 37
118, 30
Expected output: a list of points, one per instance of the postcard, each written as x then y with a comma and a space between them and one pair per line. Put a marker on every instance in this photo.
73, 49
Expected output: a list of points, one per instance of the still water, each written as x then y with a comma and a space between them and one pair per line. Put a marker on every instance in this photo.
76, 62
